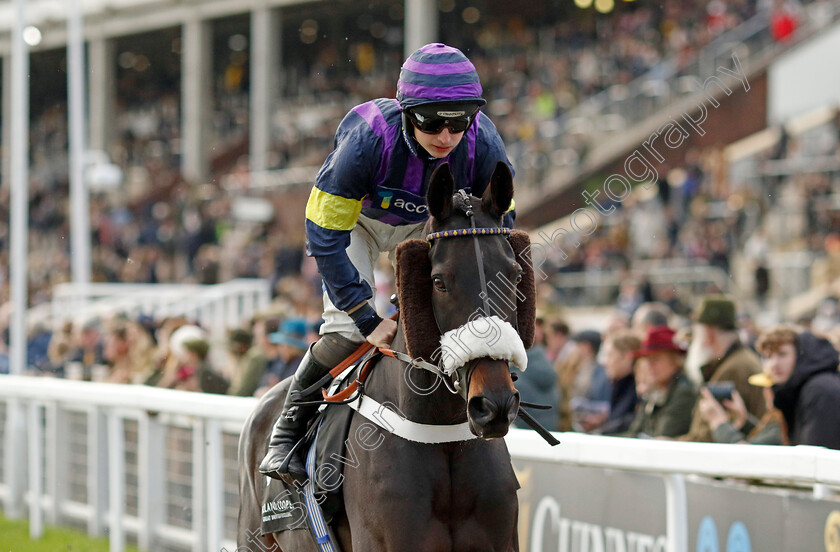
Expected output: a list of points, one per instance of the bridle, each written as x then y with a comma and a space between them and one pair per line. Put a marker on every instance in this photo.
460, 380
366, 354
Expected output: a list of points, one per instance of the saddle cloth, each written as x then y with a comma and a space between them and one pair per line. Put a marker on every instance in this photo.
283, 505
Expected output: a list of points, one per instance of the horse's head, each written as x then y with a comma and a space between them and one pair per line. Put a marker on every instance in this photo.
474, 296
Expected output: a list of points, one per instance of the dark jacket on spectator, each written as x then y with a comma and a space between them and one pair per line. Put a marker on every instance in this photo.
810, 398
622, 406
667, 417
537, 385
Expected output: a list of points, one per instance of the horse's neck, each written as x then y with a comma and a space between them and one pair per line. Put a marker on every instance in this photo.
424, 399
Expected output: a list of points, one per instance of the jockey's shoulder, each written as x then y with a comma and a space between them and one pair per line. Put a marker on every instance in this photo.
387, 108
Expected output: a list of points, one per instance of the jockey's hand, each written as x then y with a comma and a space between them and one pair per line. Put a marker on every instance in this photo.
383, 334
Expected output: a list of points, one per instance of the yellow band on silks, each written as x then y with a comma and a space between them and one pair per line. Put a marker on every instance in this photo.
512, 206
331, 211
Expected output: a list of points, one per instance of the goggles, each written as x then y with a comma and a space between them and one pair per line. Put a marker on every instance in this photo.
432, 119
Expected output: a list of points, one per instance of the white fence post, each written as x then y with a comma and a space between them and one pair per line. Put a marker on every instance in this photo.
97, 476
264, 298
116, 481
14, 462
199, 500
676, 507
58, 431
151, 481
36, 472
215, 484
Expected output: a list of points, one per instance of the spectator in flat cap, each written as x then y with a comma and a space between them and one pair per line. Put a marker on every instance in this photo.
666, 408
248, 363
717, 355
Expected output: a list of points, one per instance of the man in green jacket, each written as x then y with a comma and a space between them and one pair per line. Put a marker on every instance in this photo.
665, 410
717, 355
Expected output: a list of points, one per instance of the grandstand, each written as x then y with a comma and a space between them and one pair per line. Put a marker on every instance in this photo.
663, 151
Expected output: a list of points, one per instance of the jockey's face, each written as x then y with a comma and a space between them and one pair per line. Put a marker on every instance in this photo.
438, 145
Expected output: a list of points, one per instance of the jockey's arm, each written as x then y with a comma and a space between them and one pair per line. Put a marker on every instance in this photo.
332, 211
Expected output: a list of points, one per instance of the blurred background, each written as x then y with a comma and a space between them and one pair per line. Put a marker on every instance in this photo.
206, 124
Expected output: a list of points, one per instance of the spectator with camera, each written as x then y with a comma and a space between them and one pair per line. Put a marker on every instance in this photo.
730, 422
665, 410
717, 355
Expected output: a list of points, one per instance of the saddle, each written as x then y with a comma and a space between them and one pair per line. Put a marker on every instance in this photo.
293, 507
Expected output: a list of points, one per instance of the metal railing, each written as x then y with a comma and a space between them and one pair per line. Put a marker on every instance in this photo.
159, 466
215, 307
599, 287
155, 465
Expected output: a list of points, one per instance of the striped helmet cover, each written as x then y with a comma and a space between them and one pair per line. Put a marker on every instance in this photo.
438, 73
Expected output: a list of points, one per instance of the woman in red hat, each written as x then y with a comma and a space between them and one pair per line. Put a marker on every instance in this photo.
665, 410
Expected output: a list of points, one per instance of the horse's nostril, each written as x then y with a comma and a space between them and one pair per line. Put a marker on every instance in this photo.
482, 410
512, 407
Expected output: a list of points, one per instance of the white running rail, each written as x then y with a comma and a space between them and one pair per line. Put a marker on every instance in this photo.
215, 307
159, 466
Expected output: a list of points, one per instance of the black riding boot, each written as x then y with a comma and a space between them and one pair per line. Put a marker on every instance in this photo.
291, 425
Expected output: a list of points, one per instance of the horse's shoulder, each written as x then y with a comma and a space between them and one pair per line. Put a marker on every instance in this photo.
269, 406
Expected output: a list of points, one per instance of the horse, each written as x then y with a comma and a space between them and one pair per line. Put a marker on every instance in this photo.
455, 496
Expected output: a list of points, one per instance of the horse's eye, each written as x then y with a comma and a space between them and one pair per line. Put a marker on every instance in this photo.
518, 277
439, 285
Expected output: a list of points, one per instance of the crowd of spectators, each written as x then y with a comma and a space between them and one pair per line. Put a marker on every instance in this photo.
176, 352
699, 378
731, 217
705, 376
158, 228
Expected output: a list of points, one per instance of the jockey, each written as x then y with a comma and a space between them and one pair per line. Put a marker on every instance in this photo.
369, 196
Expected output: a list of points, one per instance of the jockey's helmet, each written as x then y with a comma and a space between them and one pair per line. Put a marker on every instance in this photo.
438, 85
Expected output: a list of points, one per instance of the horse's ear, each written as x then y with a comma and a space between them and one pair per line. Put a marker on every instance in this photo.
499, 193
439, 194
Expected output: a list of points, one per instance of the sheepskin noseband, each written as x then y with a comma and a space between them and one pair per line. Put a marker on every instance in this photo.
484, 336
414, 289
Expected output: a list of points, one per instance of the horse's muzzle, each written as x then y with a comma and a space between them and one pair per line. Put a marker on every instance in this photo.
493, 401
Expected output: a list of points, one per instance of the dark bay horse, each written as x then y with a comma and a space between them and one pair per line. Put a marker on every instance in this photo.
402, 495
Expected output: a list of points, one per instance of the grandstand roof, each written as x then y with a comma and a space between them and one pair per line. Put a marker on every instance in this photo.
120, 17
